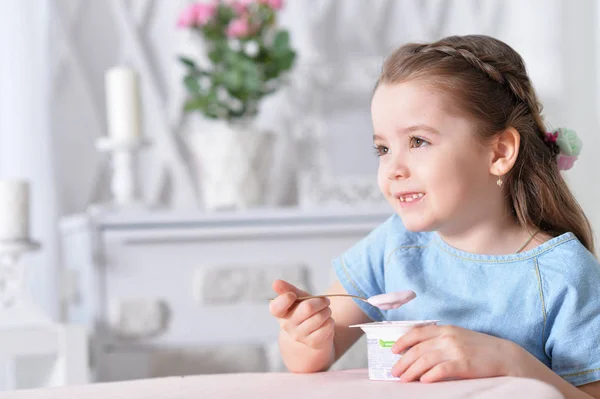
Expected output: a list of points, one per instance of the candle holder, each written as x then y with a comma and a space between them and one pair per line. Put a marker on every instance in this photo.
124, 184
15, 306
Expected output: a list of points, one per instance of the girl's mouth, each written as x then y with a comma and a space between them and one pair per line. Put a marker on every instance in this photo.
409, 197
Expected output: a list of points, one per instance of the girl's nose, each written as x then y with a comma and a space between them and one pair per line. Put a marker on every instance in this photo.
398, 170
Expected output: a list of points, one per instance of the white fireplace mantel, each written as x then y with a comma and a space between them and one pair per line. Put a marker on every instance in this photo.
157, 285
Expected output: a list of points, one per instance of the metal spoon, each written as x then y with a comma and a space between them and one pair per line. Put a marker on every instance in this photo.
391, 300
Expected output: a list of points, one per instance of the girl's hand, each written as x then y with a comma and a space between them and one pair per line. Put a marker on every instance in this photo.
435, 353
308, 322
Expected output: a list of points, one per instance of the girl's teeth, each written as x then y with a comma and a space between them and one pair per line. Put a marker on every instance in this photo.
410, 198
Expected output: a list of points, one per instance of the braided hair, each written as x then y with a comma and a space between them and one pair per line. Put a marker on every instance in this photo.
489, 84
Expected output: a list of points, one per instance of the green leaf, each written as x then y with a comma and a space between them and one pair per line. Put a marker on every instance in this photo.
225, 14
230, 56
252, 83
286, 60
232, 79
252, 77
215, 55
246, 65
188, 62
218, 77
191, 83
194, 104
281, 43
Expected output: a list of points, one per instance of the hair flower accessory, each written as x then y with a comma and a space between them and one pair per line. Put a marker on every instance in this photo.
568, 144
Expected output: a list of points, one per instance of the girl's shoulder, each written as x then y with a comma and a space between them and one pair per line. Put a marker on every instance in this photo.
566, 256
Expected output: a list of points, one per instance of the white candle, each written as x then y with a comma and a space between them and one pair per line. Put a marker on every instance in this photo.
122, 104
14, 210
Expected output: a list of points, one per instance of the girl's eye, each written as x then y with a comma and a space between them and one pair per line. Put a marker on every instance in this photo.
417, 142
380, 150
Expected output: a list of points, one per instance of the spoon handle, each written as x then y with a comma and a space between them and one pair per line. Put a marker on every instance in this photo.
302, 298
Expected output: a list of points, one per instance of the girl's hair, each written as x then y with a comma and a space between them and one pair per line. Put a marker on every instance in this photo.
488, 82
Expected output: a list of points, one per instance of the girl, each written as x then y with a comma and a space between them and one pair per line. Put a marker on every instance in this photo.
498, 248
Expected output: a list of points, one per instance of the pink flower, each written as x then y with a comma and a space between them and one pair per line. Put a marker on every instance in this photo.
274, 4
238, 28
186, 18
565, 162
198, 14
241, 6
205, 12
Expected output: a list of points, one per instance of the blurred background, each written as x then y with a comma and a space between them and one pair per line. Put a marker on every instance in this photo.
149, 236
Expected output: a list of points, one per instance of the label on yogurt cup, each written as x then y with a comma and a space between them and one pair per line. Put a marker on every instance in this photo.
381, 359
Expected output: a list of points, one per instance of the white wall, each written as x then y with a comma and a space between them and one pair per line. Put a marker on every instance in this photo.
579, 101
343, 41
25, 134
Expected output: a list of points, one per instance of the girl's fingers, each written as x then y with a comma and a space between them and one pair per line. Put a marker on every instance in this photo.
415, 336
445, 370
422, 365
313, 323
322, 336
282, 286
280, 306
308, 321
306, 309
412, 355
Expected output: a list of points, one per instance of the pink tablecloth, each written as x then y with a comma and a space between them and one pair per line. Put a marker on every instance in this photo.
347, 384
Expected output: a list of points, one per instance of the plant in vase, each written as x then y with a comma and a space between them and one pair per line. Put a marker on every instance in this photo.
247, 56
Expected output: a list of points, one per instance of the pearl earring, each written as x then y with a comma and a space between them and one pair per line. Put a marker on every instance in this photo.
499, 182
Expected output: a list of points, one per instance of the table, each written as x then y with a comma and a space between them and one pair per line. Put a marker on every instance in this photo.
347, 384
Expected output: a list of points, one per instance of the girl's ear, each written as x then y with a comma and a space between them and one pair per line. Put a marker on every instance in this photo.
505, 149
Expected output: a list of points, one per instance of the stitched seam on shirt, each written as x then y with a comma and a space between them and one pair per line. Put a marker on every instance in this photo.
358, 289
387, 261
505, 260
539, 280
580, 373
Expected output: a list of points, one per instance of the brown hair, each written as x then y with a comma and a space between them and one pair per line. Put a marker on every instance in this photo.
488, 82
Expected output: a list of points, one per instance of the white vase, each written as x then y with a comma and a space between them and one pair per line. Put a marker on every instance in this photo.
232, 162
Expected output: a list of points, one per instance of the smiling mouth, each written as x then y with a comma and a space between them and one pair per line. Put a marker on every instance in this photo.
409, 197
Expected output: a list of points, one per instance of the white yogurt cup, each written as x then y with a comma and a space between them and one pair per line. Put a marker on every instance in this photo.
380, 338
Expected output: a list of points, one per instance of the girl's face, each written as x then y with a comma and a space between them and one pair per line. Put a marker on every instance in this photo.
433, 170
